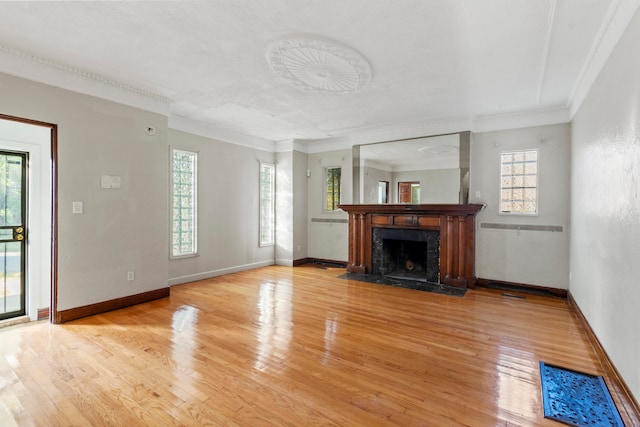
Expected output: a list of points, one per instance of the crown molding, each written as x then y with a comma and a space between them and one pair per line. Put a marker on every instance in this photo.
44, 70
552, 115
615, 23
556, 114
209, 130
391, 132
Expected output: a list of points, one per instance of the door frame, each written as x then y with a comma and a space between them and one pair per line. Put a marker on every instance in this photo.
54, 316
18, 230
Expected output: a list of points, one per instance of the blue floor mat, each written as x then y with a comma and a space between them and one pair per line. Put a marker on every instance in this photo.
577, 399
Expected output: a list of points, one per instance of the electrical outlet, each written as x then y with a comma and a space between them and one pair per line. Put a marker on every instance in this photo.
131, 276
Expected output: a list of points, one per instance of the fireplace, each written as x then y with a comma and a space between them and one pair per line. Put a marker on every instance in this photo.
406, 254
438, 240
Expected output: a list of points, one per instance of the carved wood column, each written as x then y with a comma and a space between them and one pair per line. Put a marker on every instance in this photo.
461, 240
356, 243
363, 241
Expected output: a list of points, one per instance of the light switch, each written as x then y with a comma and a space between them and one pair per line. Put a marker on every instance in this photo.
477, 194
77, 207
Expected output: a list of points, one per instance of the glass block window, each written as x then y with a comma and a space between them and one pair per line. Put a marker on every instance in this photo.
332, 188
183, 202
267, 205
519, 182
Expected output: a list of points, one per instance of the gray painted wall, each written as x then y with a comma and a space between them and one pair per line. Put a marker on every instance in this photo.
120, 230
531, 257
605, 206
300, 206
228, 190
436, 185
328, 240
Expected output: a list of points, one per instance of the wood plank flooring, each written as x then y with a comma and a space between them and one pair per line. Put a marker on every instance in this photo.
293, 346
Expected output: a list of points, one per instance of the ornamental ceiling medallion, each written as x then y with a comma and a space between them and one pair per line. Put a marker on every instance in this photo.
320, 65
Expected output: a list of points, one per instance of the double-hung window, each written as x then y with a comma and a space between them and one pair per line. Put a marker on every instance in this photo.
519, 182
184, 167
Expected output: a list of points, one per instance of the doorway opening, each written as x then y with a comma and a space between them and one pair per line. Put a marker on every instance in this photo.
409, 192
27, 219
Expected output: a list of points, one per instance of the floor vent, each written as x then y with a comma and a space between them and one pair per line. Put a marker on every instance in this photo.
513, 296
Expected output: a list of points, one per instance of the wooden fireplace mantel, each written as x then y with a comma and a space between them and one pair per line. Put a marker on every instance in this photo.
456, 224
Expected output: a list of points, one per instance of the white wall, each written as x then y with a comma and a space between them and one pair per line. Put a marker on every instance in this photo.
300, 206
531, 257
329, 240
291, 207
120, 230
372, 175
228, 216
284, 208
605, 206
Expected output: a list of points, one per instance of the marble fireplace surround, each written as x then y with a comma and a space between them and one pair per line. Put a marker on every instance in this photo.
455, 223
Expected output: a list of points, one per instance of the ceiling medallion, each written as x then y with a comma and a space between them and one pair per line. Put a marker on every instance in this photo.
319, 65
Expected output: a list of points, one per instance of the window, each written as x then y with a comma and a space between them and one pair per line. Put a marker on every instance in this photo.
267, 204
332, 188
519, 182
183, 202
383, 191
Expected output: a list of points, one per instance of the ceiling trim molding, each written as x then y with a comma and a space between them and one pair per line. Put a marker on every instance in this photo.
209, 130
556, 114
43, 70
287, 145
413, 129
545, 49
552, 115
618, 17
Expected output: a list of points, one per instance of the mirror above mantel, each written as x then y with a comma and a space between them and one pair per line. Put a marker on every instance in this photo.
425, 170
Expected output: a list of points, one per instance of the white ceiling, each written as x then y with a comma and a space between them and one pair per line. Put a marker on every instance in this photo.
433, 61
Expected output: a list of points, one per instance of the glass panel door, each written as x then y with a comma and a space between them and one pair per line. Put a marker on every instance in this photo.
13, 233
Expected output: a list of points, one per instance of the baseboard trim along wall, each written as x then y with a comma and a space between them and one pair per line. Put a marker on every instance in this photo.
215, 273
488, 283
114, 304
303, 261
43, 313
626, 402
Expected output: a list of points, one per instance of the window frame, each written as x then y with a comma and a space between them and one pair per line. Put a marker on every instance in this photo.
537, 187
194, 204
325, 190
272, 208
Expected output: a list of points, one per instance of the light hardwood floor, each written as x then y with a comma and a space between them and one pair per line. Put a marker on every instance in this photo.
293, 346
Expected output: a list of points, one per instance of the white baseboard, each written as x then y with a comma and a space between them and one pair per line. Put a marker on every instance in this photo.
215, 273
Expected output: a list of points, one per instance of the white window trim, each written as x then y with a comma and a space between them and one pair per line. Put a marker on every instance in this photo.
520, 214
195, 204
273, 204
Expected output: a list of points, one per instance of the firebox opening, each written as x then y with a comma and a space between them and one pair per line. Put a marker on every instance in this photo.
407, 255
